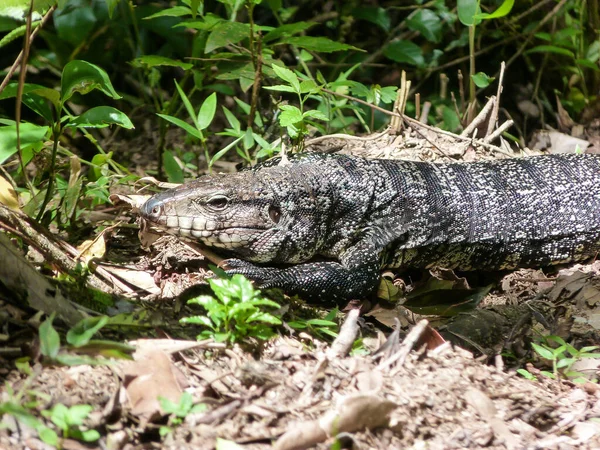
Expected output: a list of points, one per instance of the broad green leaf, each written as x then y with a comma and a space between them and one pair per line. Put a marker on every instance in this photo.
374, 14
482, 80
101, 117
30, 134
543, 351
16, 33
49, 338
149, 61
77, 414
403, 51
175, 11
287, 75
280, 88
289, 115
315, 114
502, 11
75, 23
180, 123
288, 29
551, 49
207, 111
587, 63
226, 33
83, 77
83, 331
172, 168
467, 9
308, 86
428, 23
318, 44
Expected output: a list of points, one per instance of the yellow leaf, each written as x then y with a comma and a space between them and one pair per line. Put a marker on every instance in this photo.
8, 196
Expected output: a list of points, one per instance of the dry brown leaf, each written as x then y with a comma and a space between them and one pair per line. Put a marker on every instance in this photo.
150, 376
8, 196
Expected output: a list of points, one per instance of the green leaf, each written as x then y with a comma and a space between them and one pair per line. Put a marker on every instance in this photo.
207, 111
76, 414
315, 114
198, 320
551, 49
467, 9
83, 331
287, 30
482, 80
16, 33
308, 86
287, 75
233, 121
48, 435
428, 23
280, 88
111, 4
175, 11
318, 44
226, 33
188, 105
526, 374
180, 123
289, 115
543, 351
224, 150
30, 134
49, 338
374, 14
101, 117
149, 61
502, 11
172, 168
83, 77
403, 51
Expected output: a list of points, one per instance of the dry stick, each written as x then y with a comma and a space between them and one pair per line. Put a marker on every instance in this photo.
494, 117
417, 105
411, 339
422, 125
501, 129
348, 137
480, 118
425, 112
45, 245
13, 68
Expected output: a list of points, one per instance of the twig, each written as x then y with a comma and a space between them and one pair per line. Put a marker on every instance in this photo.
480, 118
348, 137
348, 332
501, 129
407, 345
494, 117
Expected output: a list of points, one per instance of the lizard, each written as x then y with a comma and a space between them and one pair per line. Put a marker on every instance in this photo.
323, 225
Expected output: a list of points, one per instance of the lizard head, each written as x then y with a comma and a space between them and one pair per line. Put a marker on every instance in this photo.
241, 213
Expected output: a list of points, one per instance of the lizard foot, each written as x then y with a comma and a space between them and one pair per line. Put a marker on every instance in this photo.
263, 277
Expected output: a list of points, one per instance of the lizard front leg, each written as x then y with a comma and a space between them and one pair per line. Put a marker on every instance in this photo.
355, 277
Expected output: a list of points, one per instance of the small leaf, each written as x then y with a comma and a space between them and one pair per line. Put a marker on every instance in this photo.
289, 115
8, 196
542, 351
233, 121
173, 170
101, 117
287, 75
83, 77
188, 105
180, 123
83, 331
428, 23
374, 14
149, 61
502, 11
318, 44
467, 10
482, 80
280, 88
207, 111
287, 30
551, 49
315, 114
49, 339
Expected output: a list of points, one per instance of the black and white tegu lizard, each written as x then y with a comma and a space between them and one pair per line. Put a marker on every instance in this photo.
323, 226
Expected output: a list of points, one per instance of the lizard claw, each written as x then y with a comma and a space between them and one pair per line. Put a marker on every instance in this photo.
263, 277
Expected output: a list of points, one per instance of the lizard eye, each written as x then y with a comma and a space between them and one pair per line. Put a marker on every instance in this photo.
274, 213
218, 202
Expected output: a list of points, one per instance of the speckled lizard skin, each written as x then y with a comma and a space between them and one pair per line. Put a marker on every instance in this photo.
324, 225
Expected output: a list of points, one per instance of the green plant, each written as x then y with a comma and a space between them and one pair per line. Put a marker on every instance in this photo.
70, 421
562, 358
80, 341
179, 411
236, 311
322, 328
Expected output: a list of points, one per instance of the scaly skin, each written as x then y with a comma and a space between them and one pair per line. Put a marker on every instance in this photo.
355, 216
